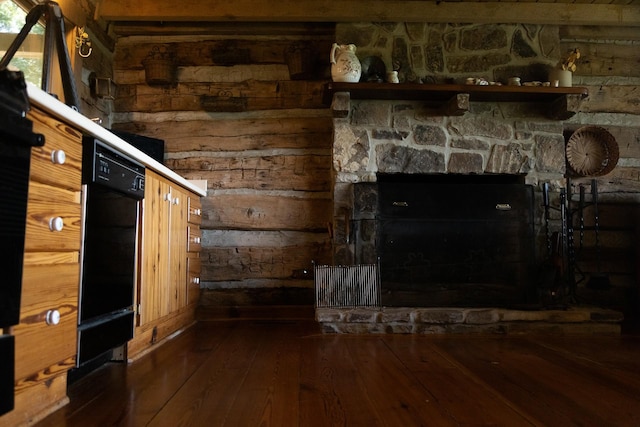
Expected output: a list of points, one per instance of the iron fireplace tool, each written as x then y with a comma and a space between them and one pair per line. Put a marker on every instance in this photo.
598, 280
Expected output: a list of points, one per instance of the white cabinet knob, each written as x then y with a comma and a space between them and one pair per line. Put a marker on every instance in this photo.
52, 317
56, 224
196, 240
176, 201
167, 197
198, 212
58, 157
195, 280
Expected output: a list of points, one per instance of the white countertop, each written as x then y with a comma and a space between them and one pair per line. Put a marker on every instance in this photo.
67, 114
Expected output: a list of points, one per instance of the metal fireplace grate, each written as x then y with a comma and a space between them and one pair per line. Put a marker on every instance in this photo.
347, 285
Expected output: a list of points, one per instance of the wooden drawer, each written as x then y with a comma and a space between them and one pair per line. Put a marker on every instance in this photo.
195, 210
59, 161
43, 216
193, 279
194, 241
40, 345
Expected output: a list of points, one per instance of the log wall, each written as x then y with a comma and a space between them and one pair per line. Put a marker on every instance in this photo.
245, 113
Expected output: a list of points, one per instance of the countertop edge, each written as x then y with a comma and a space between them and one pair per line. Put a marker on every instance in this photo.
72, 117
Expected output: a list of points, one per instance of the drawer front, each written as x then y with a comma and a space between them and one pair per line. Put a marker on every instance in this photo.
59, 161
52, 226
193, 280
194, 242
195, 210
40, 343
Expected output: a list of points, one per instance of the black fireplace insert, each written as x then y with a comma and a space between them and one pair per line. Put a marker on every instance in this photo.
455, 240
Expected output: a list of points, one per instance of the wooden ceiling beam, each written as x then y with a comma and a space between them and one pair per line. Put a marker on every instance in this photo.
481, 12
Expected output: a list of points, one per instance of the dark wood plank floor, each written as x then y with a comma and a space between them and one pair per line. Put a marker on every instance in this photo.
285, 373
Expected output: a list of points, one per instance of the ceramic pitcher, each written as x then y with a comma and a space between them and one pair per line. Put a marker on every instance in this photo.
345, 65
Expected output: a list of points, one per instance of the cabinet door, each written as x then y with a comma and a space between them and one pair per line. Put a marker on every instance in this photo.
152, 295
178, 235
162, 286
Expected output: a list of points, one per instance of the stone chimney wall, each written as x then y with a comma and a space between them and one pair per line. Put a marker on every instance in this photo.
404, 137
442, 53
372, 136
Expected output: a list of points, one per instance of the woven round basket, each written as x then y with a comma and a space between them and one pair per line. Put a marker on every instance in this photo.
592, 151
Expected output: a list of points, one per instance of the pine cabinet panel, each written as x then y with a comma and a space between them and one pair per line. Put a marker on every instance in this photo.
43, 216
42, 342
193, 283
165, 237
178, 249
154, 264
46, 337
59, 161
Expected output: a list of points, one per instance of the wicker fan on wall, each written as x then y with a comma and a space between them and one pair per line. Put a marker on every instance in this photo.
592, 151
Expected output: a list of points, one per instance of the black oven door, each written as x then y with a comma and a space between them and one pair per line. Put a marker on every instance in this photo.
110, 240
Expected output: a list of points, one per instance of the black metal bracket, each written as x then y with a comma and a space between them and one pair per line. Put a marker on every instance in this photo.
54, 42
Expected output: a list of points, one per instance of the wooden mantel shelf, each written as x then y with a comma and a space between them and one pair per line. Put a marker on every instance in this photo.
454, 99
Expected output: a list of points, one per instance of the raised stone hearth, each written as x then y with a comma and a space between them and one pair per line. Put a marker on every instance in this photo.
402, 320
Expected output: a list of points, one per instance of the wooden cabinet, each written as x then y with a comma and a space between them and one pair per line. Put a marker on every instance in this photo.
46, 335
169, 239
169, 268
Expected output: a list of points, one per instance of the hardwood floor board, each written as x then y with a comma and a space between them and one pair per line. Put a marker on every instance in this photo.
408, 402
546, 390
271, 384
331, 391
288, 374
618, 354
132, 394
462, 394
610, 390
208, 396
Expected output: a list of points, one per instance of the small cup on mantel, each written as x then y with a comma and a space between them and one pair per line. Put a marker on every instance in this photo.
514, 81
392, 77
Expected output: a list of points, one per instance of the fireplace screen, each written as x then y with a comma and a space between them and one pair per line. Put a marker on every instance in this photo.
455, 241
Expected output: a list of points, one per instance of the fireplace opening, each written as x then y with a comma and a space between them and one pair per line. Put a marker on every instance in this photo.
448, 240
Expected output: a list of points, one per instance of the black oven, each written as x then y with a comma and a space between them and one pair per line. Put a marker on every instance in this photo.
113, 187
16, 140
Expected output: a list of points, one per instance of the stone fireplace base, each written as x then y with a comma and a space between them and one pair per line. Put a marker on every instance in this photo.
402, 320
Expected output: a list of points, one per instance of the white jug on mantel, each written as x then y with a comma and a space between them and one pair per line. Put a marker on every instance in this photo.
345, 65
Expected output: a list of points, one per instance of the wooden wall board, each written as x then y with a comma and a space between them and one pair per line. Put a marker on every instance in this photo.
215, 135
255, 211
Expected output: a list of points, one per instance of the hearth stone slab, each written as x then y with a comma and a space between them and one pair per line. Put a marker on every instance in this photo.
408, 320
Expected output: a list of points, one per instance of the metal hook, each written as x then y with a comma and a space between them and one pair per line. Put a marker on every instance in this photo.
82, 50
83, 44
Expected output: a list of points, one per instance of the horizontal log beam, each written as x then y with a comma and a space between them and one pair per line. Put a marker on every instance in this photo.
374, 10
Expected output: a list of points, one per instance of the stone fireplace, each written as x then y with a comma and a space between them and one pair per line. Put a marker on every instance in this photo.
495, 157
400, 147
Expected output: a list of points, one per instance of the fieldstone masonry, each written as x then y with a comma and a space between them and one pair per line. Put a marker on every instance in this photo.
467, 320
438, 53
373, 137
